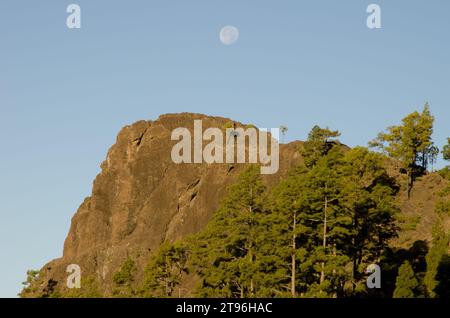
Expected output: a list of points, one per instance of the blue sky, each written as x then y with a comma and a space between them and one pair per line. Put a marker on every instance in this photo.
64, 94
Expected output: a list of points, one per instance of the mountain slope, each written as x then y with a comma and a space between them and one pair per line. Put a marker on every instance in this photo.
141, 199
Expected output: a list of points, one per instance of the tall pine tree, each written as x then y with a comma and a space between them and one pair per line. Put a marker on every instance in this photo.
406, 282
320, 141
410, 143
165, 270
225, 255
324, 215
288, 237
438, 250
368, 211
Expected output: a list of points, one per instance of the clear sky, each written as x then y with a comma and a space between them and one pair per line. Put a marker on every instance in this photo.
64, 94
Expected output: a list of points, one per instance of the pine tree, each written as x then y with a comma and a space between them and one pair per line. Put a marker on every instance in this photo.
406, 282
123, 279
320, 141
368, 210
438, 250
427, 151
324, 210
283, 130
445, 172
225, 253
446, 150
287, 235
29, 286
165, 270
410, 143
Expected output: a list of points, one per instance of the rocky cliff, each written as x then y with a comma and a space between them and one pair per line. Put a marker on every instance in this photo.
142, 198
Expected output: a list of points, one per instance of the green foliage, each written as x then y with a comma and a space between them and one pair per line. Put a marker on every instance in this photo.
228, 124
443, 207
406, 282
283, 130
225, 255
432, 156
89, 289
288, 237
165, 270
446, 150
445, 173
409, 223
314, 234
320, 141
357, 196
367, 203
123, 279
29, 286
410, 143
437, 252
328, 221
443, 204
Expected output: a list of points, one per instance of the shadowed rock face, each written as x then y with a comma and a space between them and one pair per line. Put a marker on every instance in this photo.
141, 199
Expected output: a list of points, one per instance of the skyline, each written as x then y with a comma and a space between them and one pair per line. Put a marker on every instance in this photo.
65, 94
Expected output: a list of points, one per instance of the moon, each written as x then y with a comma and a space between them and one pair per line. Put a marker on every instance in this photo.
229, 35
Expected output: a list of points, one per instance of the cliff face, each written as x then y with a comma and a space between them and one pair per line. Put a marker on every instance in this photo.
141, 199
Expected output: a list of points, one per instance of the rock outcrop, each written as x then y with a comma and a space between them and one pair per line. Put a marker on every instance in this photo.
142, 198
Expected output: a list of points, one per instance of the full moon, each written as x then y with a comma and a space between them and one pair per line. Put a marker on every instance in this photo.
229, 34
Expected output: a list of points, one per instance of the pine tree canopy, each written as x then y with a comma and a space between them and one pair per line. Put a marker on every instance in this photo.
406, 282
446, 150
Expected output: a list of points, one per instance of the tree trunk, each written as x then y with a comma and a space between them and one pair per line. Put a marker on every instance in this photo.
250, 254
410, 183
334, 270
252, 293
334, 255
324, 238
251, 245
354, 274
293, 265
